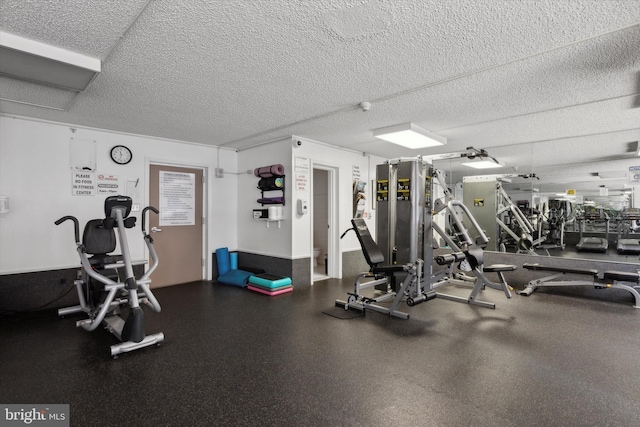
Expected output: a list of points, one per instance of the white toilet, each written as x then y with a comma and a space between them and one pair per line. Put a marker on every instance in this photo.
316, 254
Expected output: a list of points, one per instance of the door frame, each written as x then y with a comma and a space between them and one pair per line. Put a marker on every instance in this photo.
148, 161
334, 258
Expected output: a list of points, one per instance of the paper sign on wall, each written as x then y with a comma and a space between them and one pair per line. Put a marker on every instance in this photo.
83, 184
177, 198
355, 171
301, 181
302, 165
108, 184
634, 174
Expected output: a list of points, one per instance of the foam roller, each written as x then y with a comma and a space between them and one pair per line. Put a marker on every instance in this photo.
450, 258
269, 171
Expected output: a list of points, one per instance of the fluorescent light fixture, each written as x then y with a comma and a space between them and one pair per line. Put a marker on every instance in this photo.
612, 175
410, 136
42, 63
482, 164
638, 147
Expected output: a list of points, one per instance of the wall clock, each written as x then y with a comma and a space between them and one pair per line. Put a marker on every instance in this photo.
121, 154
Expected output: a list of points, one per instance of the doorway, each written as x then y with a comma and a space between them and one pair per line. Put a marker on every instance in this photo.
177, 192
325, 260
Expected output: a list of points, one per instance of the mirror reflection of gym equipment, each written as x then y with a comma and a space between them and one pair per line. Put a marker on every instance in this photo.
554, 220
507, 226
108, 282
626, 224
595, 220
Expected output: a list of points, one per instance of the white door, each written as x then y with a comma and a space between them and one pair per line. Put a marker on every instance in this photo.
334, 261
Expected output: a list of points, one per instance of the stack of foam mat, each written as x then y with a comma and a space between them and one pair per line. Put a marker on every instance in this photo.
269, 284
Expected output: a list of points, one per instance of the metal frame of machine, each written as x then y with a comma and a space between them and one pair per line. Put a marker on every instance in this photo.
406, 224
120, 289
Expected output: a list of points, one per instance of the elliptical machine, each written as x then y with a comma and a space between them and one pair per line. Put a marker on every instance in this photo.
108, 282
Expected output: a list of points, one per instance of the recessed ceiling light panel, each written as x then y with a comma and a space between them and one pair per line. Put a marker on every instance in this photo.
410, 136
482, 164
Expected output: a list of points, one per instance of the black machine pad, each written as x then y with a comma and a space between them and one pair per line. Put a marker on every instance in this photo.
495, 268
587, 271
387, 268
372, 252
97, 239
622, 276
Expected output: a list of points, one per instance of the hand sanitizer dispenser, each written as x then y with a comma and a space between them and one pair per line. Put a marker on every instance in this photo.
303, 207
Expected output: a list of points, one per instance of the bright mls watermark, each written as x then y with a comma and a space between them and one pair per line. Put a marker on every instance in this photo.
34, 415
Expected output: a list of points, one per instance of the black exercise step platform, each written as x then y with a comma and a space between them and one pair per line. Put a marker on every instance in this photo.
568, 270
622, 276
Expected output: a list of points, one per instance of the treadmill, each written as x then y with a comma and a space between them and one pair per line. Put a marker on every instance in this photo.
628, 219
593, 244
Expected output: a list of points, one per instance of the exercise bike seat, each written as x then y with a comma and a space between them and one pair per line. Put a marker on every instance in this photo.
98, 240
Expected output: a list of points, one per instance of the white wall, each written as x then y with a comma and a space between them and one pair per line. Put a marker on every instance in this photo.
293, 239
254, 236
35, 173
344, 161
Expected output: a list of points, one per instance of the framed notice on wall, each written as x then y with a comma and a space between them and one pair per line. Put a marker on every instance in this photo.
177, 198
634, 174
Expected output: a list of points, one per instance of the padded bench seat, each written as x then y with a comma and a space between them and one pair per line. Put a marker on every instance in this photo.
623, 276
495, 268
387, 268
617, 277
569, 270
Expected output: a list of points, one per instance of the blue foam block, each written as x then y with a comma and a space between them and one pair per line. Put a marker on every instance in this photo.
223, 260
235, 278
233, 257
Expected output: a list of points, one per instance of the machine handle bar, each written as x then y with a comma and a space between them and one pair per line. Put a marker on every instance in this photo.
345, 233
144, 211
76, 227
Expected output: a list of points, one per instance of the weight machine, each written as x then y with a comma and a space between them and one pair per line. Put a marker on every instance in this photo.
401, 262
555, 219
108, 281
521, 230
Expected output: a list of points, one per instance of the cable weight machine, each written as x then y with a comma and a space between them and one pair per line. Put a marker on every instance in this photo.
402, 260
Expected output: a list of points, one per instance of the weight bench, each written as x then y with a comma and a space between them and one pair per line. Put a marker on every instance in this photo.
609, 279
382, 274
474, 255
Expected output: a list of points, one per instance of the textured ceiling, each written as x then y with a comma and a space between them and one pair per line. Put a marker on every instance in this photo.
547, 87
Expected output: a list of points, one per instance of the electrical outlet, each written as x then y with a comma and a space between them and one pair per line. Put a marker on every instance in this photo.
219, 173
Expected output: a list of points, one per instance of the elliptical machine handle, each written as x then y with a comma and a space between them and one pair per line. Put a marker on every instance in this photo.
76, 225
144, 216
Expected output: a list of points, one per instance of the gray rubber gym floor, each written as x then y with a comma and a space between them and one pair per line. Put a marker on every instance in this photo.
237, 358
